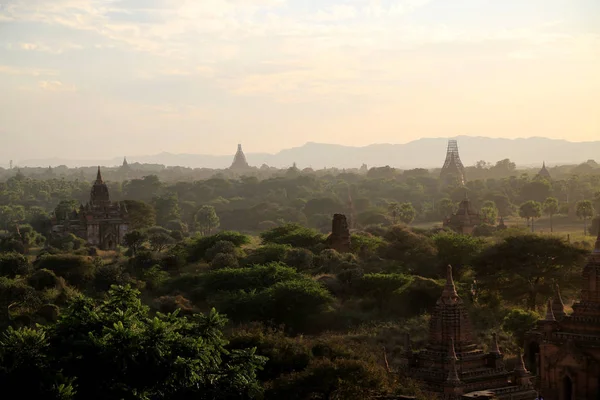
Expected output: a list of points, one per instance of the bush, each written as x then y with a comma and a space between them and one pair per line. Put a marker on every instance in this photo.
267, 254
43, 279
224, 260
13, 264
294, 235
221, 247
198, 247
255, 278
170, 304
301, 259
108, 275
155, 277
77, 270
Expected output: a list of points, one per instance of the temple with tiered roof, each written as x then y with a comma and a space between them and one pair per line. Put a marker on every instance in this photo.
465, 219
564, 349
100, 221
453, 367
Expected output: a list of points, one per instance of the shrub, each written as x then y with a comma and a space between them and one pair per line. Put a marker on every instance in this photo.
301, 259
77, 270
198, 247
221, 247
170, 304
224, 260
267, 254
13, 264
155, 277
43, 279
294, 235
255, 278
108, 275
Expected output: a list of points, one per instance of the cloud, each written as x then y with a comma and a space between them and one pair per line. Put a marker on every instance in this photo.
56, 86
10, 70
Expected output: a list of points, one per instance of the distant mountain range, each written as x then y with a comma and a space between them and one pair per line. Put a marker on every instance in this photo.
423, 153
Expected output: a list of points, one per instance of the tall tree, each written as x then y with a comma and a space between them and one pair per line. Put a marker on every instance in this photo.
393, 210
406, 213
550, 208
584, 211
526, 267
207, 220
530, 210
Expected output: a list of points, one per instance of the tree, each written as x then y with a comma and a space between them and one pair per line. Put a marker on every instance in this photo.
489, 215
550, 208
406, 213
523, 267
393, 210
206, 220
457, 250
446, 207
584, 211
530, 210
117, 350
141, 214
161, 241
135, 240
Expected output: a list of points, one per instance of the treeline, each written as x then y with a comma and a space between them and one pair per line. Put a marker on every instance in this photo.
381, 196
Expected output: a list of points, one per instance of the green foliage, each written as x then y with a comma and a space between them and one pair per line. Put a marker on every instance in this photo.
221, 247
197, 247
224, 260
207, 220
294, 235
13, 264
135, 239
518, 322
255, 278
141, 214
415, 252
43, 279
381, 286
267, 254
301, 259
77, 270
524, 267
115, 349
456, 250
365, 243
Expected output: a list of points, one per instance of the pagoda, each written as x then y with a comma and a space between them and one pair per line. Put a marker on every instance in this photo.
453, 171
239, 160
100, 221
564, 350
453, 367
544, 172
465, 219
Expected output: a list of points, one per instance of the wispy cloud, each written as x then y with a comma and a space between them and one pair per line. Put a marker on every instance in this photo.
56, 86
10, 70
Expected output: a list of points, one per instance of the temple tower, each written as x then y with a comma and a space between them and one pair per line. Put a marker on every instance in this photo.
453, 171
452, 366
544, 172
563, 350
99, 194
239, 160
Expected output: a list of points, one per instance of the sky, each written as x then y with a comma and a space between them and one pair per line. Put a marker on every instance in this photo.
105, 78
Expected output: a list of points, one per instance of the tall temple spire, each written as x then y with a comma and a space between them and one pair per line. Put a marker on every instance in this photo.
453, 171
99, 176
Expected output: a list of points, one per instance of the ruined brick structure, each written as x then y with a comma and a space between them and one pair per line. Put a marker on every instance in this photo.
564, 350
452, 367
465, 219
339, 239
239, 160
100, 222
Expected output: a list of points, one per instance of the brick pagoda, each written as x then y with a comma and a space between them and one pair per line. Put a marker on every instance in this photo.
453, 367
564, 350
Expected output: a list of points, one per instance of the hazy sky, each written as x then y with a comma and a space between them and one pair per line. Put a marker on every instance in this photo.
103, 78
